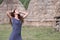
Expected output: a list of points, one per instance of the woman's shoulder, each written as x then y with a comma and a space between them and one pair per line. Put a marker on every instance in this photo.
12, 18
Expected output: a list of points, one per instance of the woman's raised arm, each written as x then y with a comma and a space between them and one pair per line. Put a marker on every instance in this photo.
25, 14
8, 14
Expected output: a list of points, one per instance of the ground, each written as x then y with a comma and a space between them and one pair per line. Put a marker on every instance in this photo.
30, 33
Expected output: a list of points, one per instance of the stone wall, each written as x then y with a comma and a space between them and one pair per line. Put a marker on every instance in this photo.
9, 5
42, 12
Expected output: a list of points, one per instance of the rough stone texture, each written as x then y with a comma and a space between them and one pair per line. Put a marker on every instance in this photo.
9, 5
42, 12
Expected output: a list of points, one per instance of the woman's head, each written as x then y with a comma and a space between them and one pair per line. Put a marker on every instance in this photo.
16, 12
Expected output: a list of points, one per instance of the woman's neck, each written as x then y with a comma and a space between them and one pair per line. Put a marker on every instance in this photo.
16, 16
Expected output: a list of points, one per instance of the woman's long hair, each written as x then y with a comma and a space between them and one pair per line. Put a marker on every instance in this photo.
19, 16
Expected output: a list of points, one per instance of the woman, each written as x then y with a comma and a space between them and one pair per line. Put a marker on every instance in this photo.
16, 20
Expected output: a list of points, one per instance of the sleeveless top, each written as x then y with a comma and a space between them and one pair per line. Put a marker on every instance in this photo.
16, 24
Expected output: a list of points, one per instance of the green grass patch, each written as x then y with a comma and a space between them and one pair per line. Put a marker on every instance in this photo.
30, 33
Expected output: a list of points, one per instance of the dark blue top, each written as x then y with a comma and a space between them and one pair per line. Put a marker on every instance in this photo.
16, 24
16, 32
